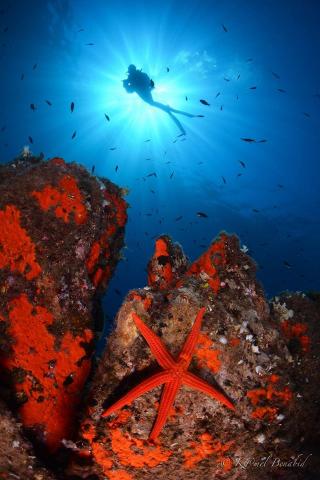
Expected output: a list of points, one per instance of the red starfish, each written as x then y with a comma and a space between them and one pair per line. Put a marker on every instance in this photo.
174, 375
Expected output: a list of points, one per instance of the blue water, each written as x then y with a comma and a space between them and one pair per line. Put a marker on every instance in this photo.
281, 176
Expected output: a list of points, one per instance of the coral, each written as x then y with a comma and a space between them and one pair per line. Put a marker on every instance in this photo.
205, 447
297, 331
17, 252
269, 394
205, 356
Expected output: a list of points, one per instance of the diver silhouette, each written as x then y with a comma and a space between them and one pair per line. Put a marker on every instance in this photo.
140, 83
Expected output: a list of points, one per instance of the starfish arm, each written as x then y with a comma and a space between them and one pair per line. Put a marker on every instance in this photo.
192, 381
167, 399
189, 346
160, 352
143, 387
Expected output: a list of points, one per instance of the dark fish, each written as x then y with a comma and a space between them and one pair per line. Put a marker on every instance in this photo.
33, 106
287, 264
89, 44
226, 79
221, 108
117, 168
239, 175
22, 76
178, 218
237, 97
248, 140
168, 69
281, 90
74, 134
174, 141
152, 191
186, 99
253, 88
249, 59
107, 117
113, 148
3, 128
149, 140
242, 163
224, 28
180, 135
171, 175
280, 185
204, 102
117, 291
262, 141
72, 106
48, 102
317, 95
81, 30
153, 174
238, 76
217, 95
93, 169
34, 66
275, 75
255, 210
200, 116
30, 139
306, 114
202, 215
5, 29
224, 180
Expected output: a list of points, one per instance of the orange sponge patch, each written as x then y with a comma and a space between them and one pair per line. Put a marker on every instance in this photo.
17, 250
52, 377
66, 200
207, 446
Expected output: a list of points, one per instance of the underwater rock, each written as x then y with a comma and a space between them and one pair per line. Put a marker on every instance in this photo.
242, 350
17, 458
61, 232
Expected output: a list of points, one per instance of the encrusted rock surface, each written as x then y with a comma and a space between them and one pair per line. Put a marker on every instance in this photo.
269, 369
61, 231
17, 458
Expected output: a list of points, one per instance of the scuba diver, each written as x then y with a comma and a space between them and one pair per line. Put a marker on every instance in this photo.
140, 83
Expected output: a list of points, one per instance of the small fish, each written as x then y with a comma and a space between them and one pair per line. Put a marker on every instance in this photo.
242, 164
253, 88
200, 116
107, 117
248, 140
275, 75
72, 106
5, 29
287, 264
22, 76
30, 139
255, 210
168, 69
152, 191
238, 76
81, 30
113, 148
280, 185
202, 215
281, 90
224, 180
186, 99
217, 95
306, 114
89, 44
178, 218
249, 59
239, 175
117, 291
149, 140
48, 102
117, 168
74, 134
221, 107
204, 102
34, 66
3, 128
93, 169
153, 174
171, 175
224, 28
226, 79
263, 140
33, 106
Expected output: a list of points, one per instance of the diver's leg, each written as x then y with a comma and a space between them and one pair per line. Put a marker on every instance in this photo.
168, 110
